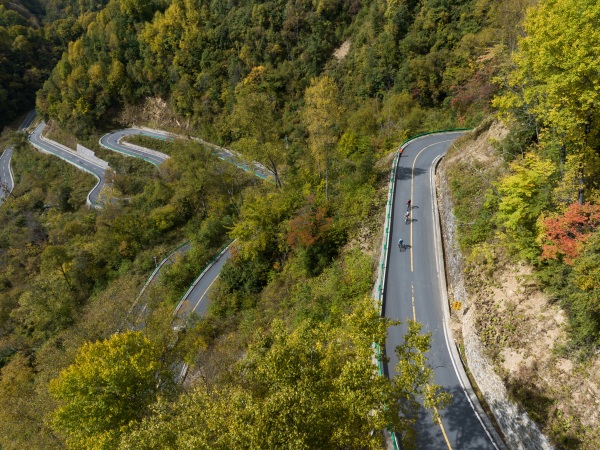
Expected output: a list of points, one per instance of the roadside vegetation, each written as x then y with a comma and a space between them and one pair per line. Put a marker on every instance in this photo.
533, 202
151, 143
286, 344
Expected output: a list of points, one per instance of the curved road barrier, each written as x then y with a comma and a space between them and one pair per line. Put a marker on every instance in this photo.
114, 141
46, 145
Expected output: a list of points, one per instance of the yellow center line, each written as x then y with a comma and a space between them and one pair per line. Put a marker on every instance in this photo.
204, 293
412, 189
439, 421
412, 286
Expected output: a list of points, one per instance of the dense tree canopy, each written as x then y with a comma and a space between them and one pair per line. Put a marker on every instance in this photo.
30, 47
108, 386
552, 94
316, 91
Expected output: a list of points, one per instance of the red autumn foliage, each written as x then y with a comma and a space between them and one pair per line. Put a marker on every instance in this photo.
308, 226
475, 92
566, 234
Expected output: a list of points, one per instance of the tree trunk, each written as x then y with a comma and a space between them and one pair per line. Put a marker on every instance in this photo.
580, 196
326, 181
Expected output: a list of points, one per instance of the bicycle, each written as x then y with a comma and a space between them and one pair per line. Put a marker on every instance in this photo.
406, 217
402, 246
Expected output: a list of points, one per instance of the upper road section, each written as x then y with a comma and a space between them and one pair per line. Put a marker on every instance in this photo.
415, 289
47, 146
112, 141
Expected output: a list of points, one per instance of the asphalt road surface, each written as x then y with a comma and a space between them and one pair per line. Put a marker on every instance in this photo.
112, 140
48, 146
414, 290
6, 180
195, 299
7, 183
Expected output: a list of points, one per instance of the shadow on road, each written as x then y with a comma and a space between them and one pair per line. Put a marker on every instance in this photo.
461, 422
405, 173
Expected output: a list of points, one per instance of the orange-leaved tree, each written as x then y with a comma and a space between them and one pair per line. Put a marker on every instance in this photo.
566, 234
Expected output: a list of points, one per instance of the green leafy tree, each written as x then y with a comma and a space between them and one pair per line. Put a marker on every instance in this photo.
322, 116
313, 387
48, 306
414, 383
554, 79
524, 195
110, 384
258, 229
57, 258
584, 304
255, 121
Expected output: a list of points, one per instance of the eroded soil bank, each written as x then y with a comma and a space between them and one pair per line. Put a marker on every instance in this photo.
510, 331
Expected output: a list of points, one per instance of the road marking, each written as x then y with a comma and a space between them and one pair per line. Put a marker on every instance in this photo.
412, 183
439, 421
412, 190
439, 263
204, 293
412, 286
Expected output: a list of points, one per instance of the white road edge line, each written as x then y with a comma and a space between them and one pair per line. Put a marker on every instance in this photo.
444, 295
204, 293
10, 173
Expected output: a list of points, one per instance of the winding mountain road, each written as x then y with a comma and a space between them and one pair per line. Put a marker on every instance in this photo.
415, 289
7, 182
47, 146
112, 141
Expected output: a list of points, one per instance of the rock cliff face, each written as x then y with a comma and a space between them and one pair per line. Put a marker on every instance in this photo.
519, 430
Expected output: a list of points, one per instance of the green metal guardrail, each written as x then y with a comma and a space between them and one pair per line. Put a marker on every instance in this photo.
199, 277
149, 280
135, 155
386, 244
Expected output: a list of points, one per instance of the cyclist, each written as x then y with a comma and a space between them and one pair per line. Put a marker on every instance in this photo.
406, 217
408, 203
400, 243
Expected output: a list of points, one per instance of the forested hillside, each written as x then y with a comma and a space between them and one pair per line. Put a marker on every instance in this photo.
318, 91
196, 55
540, 209
33, 36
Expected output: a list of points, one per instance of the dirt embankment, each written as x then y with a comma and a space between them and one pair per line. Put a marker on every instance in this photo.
509, 328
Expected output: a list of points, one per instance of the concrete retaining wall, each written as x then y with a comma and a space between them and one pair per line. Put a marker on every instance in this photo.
90, 156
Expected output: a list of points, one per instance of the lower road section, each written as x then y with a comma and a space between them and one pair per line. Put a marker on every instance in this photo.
195, 300
7, 182
415, 290
47, 146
